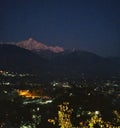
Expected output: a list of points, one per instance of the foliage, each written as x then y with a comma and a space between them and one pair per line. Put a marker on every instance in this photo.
95, 121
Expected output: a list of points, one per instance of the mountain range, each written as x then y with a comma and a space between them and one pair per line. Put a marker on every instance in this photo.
34, 45
54, 61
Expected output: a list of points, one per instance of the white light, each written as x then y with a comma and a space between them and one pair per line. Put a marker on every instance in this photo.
38, 109
97, 112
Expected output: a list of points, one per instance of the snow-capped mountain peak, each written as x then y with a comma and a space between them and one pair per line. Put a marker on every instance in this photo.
32, 44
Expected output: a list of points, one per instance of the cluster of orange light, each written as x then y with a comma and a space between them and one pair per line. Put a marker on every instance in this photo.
28, 94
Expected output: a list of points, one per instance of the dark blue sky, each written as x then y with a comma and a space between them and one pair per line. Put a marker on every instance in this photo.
92, 25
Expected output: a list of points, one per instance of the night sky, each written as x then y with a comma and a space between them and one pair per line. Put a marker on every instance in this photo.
92, 25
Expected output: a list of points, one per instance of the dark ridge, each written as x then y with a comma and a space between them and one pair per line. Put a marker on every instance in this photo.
65, 65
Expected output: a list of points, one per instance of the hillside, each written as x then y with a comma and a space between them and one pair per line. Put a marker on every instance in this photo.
63, 65
18, 59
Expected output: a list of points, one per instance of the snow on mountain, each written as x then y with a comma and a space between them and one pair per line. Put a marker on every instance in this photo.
32, 44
